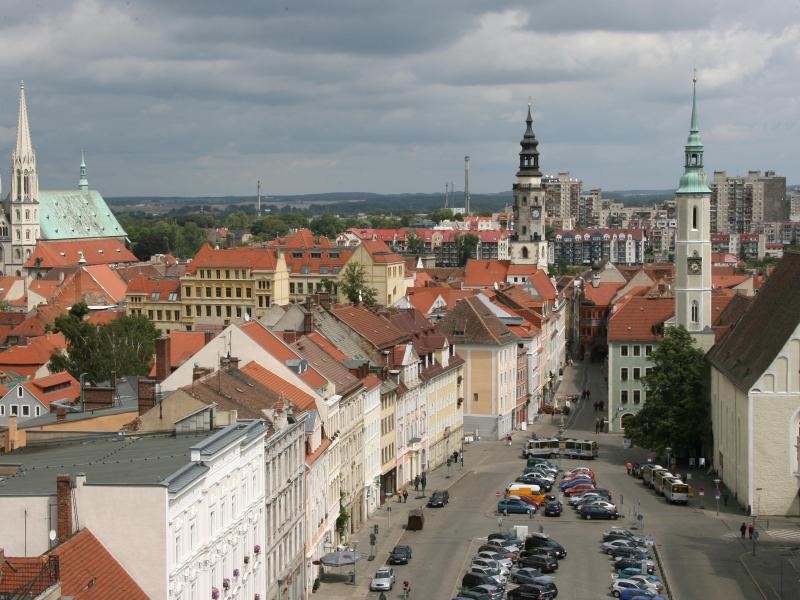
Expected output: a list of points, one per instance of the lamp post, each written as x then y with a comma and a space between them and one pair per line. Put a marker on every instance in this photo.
668, 450
716, 493
355, 562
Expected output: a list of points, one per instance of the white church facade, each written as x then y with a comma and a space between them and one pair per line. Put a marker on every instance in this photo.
30, 214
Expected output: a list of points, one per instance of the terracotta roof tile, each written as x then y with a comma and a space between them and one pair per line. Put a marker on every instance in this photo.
26, 360
377, 330
472, 322
300, 239
89, 572
423, 298
380, 252
640, 319
104, 317
485, 273
277, 348
49, 389
64, 253
183, 345
603, 293
252, 258
330, 367
300, 399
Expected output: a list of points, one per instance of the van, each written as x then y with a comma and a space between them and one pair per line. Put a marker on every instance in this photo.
522, 489
542, 540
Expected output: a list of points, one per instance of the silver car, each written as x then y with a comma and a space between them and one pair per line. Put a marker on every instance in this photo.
383, 580
489, 572
492, 564
500, 558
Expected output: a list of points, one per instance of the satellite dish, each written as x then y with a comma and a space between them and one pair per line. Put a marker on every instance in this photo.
246, 317
52, 535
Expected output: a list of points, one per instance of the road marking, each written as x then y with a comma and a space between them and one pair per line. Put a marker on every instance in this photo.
789, 535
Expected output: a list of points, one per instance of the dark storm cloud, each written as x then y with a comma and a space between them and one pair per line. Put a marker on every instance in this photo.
202, 97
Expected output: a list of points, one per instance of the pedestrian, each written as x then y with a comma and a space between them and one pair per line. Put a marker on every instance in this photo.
602, 405
588, 393
405, 495
423, 481
725, 498
743, 528
382, 596
629, 467
399, 496
595, 406
750, 530
416, 483
508, 439
461, 458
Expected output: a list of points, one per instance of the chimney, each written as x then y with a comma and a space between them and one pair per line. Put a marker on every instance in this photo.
11, 435
229, 362
290, 337
163, 366
595, 280
61, 414
63, 508
147, 394
208, 336
199, 372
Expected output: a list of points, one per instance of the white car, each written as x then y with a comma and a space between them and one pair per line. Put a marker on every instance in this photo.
618, 585
497, 577
383, 580
491, 564
496, 556
649, 580
609, 546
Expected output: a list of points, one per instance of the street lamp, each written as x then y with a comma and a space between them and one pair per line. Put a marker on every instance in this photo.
716, 493
355, 561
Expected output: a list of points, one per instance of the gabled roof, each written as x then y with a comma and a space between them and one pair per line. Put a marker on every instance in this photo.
67, 253
424, 298
108, 280
26, 360
755, 340
485, 273
49, 389
640, 319
301, 239
300, 399
277, 348
380, 252
375, 329
104, 317
473, 322
144, 285
326, 364
233, 389
248, 258
73, 214
602, 294
88, 571
183, 345
318, 262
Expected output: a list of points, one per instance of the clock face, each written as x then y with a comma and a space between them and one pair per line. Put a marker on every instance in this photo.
694, 266
535, 213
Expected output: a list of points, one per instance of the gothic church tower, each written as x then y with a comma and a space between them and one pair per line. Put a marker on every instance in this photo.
528, 245
693, 241
23, 200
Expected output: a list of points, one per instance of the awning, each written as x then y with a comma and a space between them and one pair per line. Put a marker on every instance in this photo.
341, 558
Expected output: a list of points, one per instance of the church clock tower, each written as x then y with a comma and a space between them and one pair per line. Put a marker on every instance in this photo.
528, 245
23, 200
693, 241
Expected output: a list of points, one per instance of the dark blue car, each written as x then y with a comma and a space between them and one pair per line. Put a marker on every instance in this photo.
552, 509
514, 505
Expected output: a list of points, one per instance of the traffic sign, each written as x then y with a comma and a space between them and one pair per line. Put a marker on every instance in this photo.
701, 490
497, 494
716, 494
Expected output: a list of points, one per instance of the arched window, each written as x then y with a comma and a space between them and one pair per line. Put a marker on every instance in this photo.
19, 235
695, 316
27, 215
19, 215
19, 184
524, 230
28, 253
694, 217
524, 252
18, 253
27, 234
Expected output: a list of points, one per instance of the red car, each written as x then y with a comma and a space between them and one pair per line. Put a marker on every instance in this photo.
581, 488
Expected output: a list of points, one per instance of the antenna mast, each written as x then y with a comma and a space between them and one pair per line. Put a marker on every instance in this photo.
258, 187
445, 194
466, 185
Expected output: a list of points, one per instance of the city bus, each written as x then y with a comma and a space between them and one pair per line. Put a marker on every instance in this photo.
647, 474
545, 447
578, 448
661, 481
677, 493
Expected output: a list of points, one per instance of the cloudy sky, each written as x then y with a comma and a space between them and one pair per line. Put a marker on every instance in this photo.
201, 97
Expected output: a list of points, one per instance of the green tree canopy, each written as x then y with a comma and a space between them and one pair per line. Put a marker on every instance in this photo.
327, 225
468, 246
354, 286
677, 412
415, 244
125, 345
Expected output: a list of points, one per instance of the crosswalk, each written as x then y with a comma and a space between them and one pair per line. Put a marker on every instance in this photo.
791, 536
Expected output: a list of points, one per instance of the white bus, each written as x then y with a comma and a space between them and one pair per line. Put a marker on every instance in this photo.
661, 481
579, 448
677, 493
545, 447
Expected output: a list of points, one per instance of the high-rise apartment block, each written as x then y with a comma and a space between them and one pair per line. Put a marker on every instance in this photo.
562, 195
739, 204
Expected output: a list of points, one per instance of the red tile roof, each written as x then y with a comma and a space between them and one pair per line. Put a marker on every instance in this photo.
66, 253
46, 288
375, 329
89, 572
485, 273
183, 345
329, 347
640, 319
104, 317
728, 281
315, 261
249, 258
380, 252
108, 279
300, 399
26, 360
423, 298
144, 285
301, 239
603, 293
277, 348
60, 386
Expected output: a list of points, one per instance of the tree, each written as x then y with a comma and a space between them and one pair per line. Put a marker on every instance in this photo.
442, 214
415, 244
677, 413
468, 246
125, 345
354, 285
327, 225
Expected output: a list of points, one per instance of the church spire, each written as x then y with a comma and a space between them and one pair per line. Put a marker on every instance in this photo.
529, 154
83, 182
693, 180
24, 147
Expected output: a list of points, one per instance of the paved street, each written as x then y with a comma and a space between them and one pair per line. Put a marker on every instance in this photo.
701, 553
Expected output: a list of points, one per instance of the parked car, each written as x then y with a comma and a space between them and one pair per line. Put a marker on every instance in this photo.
493, 592
503, 569
596, 494
495, 575
535, 479
637, 553
529, 575
596, 503
526, 499
579, 489
507, 553
624, 563
530, 592
575, 483
502, 536
652, 580
514, 506
538, 540
630, 572
598, 512
617, 585
620, 543
400, 555
615, 533
496, 556
439, 498
471, 580
507, 545
473, 595
587, 470
543, 562
541, 551
382, 580
553, 509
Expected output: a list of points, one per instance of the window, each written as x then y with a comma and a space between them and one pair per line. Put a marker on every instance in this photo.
694, 217
637, 396
20, 391
238, 292
227, 274
178, 548
637, 372
219, 310
208, 292
474, 397
26, 410
248, 292
188, 291
212, 519
291, 288
648, 350
623, 350
2, 411
192, 535
695, 317
173, 296
637, 350
218, 292
38, 410
648, 371
623, 396
623, 373
228, 292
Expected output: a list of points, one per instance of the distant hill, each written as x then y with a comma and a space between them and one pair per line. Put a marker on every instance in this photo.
356, 202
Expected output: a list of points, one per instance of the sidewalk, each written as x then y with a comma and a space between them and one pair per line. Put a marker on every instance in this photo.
391, 520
